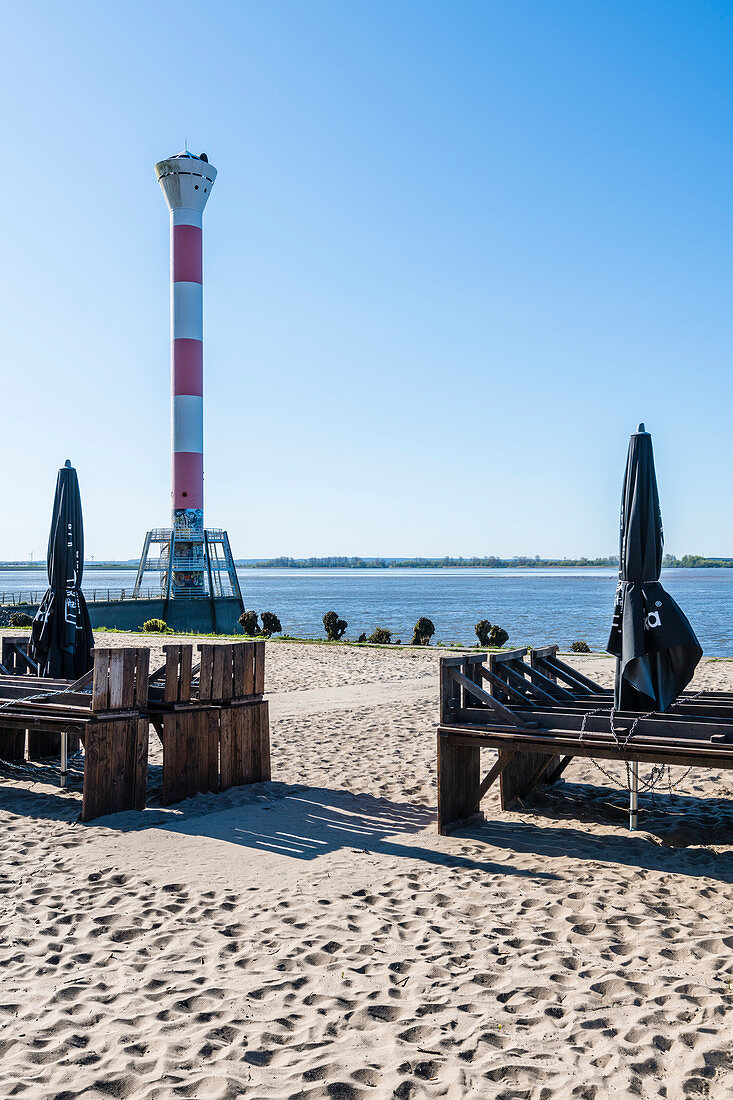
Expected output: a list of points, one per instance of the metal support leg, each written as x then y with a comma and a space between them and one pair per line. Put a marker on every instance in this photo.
634, 797
64, 756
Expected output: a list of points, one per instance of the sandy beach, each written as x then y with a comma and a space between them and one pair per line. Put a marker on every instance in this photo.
315, 937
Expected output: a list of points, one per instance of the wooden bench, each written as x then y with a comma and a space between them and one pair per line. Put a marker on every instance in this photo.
212, 719
539, 715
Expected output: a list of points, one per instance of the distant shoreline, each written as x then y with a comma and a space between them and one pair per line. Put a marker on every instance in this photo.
688, 561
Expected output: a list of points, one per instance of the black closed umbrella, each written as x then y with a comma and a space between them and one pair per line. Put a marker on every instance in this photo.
61, 636
655, 647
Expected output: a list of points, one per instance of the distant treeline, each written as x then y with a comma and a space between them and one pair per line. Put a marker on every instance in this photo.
696, 561
431, 563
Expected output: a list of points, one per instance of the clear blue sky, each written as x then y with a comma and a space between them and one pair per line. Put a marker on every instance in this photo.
454, 253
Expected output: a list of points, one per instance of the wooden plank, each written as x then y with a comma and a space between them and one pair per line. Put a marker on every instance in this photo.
140, 763
517, 679
205, 674
142, 670
554, 742
186, 673
226, 748
209, 725
129, 661
238, 665
228, 673
668, 725
514, 693
264, 772
116, 672
217, 689
549, 683
171, 691
450, 691
502, 760
510, 655
100, 680
121, 746
259, 672
571, 674
458, 782
249, 668
174, 749
507, 716
96, 793
456, 662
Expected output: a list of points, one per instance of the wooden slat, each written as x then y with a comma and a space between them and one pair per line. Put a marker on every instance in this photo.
95, 796
249, 668
474, 690
140, 763
548, 683
121, 759
171, 691
514, 677
238, 661
510, 655
568, 673
263, 719
458, 781
129, 661
185, 673
259, 670
116, 670
558, 742
142, 669
226, 748
100, 689
489, 675
205, 675
502, 760
220, 655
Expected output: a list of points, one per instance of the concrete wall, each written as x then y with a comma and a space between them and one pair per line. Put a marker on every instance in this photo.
183, 614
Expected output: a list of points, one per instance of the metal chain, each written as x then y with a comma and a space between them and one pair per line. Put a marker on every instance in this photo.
656, 776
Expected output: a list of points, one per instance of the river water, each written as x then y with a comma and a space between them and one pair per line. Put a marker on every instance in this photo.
535, 606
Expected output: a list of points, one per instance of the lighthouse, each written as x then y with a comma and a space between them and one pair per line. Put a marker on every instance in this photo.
186, 182
193, 562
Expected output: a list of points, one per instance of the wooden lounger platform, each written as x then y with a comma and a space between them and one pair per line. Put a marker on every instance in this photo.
540, 713
212, 719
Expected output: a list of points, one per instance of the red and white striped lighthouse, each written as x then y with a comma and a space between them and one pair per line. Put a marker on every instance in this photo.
193, 562
186, 181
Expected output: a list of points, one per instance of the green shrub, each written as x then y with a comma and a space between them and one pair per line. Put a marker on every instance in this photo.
334, 626
424, 630
381, 636
155, 626
19, 618
270, 624
580, 647
489, 635
249, 624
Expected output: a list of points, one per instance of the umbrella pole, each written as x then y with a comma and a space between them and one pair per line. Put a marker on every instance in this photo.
64, 753
634, 796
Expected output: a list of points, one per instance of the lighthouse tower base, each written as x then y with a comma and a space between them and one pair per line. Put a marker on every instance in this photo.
195, 581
